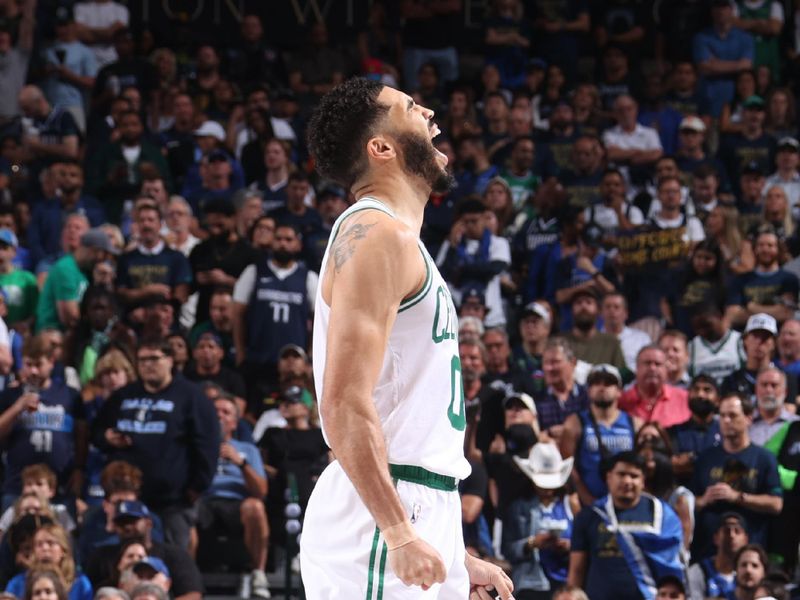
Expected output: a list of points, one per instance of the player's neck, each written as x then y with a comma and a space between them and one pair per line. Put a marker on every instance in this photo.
405, 196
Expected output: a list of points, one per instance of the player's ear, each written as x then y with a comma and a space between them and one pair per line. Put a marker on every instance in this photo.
381, 149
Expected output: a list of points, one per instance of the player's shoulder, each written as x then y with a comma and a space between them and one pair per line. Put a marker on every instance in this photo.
376, 231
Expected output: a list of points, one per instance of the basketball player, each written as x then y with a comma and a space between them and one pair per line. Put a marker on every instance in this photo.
384, 520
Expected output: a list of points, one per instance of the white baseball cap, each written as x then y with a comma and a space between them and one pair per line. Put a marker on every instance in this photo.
538, 309
212, 129
545, 467
693, 123
522, 397
761, 321
604, 369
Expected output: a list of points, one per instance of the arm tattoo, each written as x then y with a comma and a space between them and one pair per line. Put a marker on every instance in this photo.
344, 246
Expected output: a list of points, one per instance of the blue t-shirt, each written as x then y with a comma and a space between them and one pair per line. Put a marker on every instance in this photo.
81, 588
136, 270
79, 59
693, 437
229, 480
762, 288
736, 45
752, 471
44, 436
609, 577
47, 221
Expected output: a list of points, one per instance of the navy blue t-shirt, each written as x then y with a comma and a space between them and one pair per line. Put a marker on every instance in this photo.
762, 288
736, 150
609, 576
752, 471
136, 270
309, 222
45, 436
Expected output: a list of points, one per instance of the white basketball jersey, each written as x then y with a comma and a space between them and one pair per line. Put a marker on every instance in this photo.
418, 396
718, 359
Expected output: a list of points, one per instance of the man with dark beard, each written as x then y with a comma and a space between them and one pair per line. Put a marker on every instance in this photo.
596, 433
590, 344
700, 431
115, 174
48, 216
220, 259
386, 366
272, 305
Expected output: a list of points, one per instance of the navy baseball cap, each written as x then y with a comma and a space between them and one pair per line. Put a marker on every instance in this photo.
473, 293
753, 167
211, 337
151, 562
132, 509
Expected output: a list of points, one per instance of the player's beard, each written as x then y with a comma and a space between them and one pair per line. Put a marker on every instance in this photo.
420, 159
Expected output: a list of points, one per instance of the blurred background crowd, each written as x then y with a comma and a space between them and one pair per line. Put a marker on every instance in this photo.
621, 244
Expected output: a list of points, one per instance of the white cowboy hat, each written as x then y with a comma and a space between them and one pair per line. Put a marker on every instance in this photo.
545, 467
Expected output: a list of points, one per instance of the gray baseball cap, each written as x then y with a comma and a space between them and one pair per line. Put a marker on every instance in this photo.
97, 238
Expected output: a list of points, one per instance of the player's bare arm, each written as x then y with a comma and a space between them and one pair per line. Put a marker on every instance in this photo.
377, 263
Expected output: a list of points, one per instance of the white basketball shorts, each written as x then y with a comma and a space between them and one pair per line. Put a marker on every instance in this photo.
343, 554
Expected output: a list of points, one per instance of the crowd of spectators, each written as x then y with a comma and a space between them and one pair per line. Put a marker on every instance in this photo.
621, 242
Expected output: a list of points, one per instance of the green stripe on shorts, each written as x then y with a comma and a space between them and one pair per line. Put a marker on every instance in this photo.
372, 564
382, 571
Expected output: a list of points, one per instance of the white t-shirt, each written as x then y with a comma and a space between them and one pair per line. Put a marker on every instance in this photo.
641, 138
606, 218
98, 15
243, 290
631, 341
694, 228
5, 340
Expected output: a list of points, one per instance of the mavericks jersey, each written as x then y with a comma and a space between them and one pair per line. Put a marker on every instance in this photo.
418, 396
716, 359
619, 437
278, 312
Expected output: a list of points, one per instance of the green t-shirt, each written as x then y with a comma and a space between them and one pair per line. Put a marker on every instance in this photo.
522, 188
22, 293
64, 283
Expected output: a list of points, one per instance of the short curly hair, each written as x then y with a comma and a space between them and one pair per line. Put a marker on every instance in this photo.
340, 127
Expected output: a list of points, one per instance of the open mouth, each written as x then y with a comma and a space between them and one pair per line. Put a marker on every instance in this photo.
434, 130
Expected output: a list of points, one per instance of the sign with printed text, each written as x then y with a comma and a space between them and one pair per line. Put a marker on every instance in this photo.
641, 250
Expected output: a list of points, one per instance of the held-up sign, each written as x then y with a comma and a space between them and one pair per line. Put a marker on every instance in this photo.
644, 249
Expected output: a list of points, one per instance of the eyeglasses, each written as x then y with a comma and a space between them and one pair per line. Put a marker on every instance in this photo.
150, 359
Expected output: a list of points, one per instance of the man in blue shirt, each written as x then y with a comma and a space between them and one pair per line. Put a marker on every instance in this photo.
563, 395
48, 216
700, 431
235, 499
71, 68
735, 476
42, 421
626, 540
720, 52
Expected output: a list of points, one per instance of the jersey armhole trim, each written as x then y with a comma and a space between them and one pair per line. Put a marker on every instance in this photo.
416, 298
335, 232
